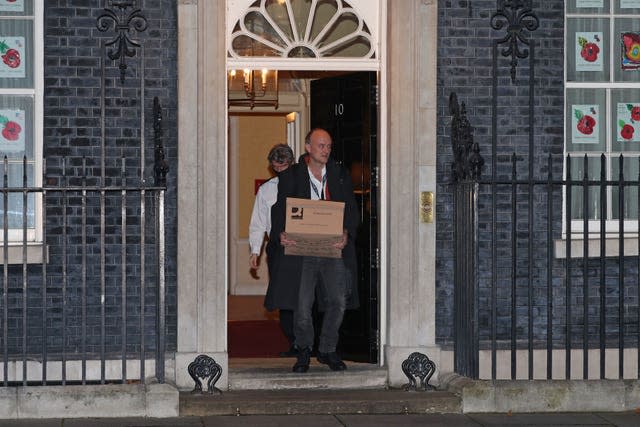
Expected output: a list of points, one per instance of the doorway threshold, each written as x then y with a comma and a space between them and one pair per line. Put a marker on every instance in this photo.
275, 374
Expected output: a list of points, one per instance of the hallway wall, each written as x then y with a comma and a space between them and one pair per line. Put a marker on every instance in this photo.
251, 137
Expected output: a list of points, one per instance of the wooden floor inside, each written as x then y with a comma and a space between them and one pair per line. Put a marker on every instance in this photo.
248, 307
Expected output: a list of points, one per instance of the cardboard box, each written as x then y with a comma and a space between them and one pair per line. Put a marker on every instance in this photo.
315, 225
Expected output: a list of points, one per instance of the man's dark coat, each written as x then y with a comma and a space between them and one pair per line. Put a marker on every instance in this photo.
287, 269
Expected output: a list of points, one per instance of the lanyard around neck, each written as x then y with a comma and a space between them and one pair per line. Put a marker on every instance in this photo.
315, 189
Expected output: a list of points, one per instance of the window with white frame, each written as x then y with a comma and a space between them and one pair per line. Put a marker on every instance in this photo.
21, 87
602, 104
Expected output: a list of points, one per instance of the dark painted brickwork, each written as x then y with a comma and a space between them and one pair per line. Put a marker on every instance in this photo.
72, 120
465, 46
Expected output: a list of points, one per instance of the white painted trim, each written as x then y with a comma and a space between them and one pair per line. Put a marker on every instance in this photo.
38, 110
202, 179
611, 245
503, 364
227, 249
19, 91
113, 369
327, 64
369, 10
37, 92
232, 202
607, 86
383, 164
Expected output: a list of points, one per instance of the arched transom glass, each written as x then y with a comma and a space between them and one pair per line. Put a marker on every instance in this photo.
301, 29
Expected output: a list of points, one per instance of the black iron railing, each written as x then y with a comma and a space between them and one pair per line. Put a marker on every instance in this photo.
547, 257
547, 271
91, 309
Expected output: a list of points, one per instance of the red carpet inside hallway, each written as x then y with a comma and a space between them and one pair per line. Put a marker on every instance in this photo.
255, 338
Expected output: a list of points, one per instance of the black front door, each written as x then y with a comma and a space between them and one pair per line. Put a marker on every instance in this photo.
346, 107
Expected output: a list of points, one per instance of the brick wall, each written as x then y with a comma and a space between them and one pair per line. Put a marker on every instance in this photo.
72, 135
465, 49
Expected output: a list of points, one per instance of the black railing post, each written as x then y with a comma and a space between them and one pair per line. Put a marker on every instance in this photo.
161, 166
466, 169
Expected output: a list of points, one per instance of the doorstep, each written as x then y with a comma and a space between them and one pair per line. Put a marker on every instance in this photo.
268, 387
275, 374
314, 401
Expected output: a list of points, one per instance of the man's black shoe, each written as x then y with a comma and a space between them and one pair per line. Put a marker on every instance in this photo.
333, 360
302, 364
292, 352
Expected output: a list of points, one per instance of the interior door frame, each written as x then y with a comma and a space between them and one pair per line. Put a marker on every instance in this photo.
382, 188
233, 258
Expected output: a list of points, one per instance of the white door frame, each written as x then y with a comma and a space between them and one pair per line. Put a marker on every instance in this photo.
407, 130
339, 64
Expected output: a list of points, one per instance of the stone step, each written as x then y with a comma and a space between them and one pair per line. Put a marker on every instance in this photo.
315, 401
268, 387
278, 376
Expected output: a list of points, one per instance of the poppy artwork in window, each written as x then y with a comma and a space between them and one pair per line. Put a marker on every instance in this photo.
12, 57
628, 122
589, 51
12, 131
630, 51
11, 5
585, 124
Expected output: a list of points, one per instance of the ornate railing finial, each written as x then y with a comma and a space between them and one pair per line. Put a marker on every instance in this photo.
123, 22
467, 161
517, 16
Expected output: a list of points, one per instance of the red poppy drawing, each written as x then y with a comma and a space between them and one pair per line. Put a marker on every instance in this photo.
635, 112
586, 123
589, 50
10, 129
11, 57
627, 132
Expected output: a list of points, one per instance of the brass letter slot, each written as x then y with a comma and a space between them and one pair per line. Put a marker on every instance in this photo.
426, 206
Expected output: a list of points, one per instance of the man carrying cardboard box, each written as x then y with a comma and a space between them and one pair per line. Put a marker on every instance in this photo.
296, 277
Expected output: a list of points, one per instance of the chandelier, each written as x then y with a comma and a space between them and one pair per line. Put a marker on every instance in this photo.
253, 88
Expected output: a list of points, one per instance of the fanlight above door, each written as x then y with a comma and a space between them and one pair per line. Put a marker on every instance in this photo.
301, 29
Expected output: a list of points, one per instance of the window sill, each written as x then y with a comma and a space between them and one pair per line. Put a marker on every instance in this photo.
611, 247
34, 253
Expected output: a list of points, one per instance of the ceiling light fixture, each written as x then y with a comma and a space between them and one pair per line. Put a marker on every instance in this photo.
253, 88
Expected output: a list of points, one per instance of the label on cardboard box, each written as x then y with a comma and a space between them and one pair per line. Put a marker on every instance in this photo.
315, 225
